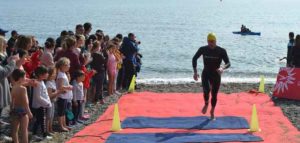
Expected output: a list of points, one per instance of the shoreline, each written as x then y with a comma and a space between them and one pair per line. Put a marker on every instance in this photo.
290, 108
188, 80
195, 87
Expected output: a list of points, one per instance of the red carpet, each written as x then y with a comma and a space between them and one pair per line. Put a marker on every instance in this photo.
276, 128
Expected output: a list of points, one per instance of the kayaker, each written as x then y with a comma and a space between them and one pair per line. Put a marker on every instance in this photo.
211, 74
244, 29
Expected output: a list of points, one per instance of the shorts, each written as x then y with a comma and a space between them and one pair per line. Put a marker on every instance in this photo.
61, 106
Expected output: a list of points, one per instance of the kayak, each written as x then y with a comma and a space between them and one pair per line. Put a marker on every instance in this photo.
247, 33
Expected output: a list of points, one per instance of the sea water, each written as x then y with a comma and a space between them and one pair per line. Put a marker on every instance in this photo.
171, 31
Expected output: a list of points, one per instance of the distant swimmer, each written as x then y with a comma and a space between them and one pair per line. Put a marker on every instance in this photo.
213, 56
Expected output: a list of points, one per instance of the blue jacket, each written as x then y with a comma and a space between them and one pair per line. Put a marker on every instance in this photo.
129, 49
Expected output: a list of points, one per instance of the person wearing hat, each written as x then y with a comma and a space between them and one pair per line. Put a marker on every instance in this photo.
2, 32
211, 74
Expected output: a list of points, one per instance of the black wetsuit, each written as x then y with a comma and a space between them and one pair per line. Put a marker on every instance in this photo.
296, 56
289, 52
210, 77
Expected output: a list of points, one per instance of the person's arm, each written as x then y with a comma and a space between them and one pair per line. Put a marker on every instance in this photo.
52, 94
195, 58
26, 102
194, 62
135, 48
5, 71
282, 58
77, 64
30, 82
60, 85
90, 73
226, 60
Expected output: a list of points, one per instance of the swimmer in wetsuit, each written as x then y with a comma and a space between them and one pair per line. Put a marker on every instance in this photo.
211, 74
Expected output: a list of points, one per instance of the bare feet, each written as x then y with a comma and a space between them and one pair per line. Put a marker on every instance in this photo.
68, 128
101, 102
118, 93
204, 109
64, 129
2, 123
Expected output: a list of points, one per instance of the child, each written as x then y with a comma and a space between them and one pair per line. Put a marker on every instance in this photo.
62, 82
98, 64
23, 57
111, 69
119, 59
86, 83
19, 65
41, 101
53, 93
20, 112
78, 95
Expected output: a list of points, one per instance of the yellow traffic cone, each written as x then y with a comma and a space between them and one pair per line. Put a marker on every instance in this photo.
116, 125
254, 126
262, 84
132, 85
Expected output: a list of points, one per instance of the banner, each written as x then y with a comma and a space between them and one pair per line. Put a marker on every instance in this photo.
288, 83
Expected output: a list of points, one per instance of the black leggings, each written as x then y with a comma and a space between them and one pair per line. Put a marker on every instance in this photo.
40, 115
211, 82
120, 79
98, 80
77, 109
129, 71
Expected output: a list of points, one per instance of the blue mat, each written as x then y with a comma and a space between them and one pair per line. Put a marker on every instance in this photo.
180, 138
201, 122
